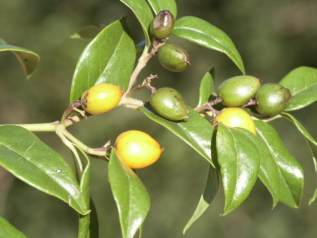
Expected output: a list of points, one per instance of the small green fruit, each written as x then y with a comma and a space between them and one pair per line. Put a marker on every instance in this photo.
237, 91
173, 58
170, 104
272, 99
162, 25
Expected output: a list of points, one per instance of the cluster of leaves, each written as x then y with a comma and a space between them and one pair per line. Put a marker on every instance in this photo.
234, 156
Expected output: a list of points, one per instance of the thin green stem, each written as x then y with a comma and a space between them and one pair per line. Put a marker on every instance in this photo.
100, 152
73, 149
40, 127
268, 119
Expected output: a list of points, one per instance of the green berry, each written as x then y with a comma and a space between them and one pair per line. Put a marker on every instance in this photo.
162, 25
272, 99
237, 91
173, 58
170, 104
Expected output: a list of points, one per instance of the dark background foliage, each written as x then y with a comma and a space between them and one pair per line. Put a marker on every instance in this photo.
273, 38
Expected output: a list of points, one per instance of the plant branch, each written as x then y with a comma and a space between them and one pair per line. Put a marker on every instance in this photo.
39, 127
68, 139
99, 152
208, 106
251, 103
142, 62
73, 149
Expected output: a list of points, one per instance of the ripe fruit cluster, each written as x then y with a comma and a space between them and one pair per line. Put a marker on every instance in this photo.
138, 149
269, 100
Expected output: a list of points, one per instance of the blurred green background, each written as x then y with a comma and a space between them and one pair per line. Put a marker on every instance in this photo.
273, 37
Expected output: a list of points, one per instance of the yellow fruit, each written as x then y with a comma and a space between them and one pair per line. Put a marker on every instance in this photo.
137, 149
236, 117
101, 98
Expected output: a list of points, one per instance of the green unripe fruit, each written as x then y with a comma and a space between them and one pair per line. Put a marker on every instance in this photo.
173, 58
237, 91
162, 25
272, 99
170, 104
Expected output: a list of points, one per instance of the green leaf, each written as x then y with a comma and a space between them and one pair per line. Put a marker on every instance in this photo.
290, 171
271, 176
87, 32
313, 198
195, 131
239, 160
32, 161
131, 197
27, 58
9, 231
312, 143
205, 34
300, 128
109, 57
159, 5
84, 221
208, 195
143, 13
302, 82
207, 86
313, 151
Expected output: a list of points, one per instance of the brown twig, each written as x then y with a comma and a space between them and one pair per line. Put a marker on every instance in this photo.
208, 106
142, 62
250, 103
147, 83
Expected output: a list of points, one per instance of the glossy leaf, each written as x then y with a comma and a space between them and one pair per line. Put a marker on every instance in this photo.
87, 32
9, 231
272, 177
130, 195
290, 171
205, 34
312, 142
239, 160
208, 195
313, 198
27, 58
30, 160
206, 88
313, 151
143, 13
159, 5
109, 57
195, 131
300, 128
302, 82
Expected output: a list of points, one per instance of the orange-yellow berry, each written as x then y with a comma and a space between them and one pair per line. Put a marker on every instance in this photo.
236, 117
101, 98
137, 149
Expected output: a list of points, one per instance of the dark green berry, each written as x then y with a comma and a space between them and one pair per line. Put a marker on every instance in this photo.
173, 58
162, 25
272, 99
237, 91
170, 104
